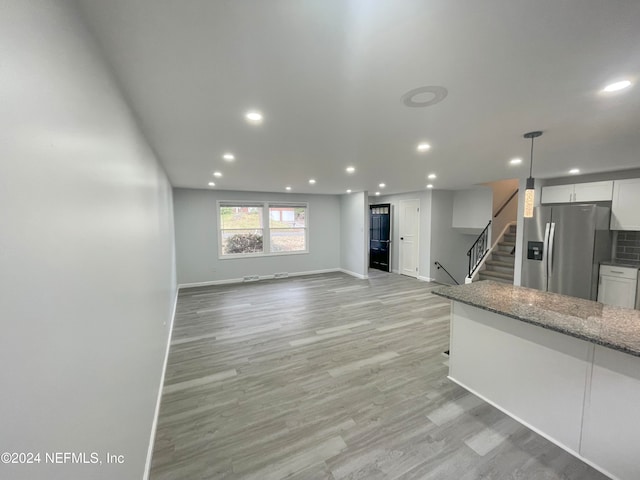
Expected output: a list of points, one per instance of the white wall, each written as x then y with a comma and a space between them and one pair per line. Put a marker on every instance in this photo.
448, 245
354, 236
425, 229
86, 253
472, 209
502, 190
197, 237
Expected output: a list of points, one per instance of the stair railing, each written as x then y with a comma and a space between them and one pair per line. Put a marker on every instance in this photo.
440, 266
478, 250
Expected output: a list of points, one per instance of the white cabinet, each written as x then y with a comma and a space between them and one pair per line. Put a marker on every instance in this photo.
593, 192
618, 286
625, 207
611, 431
557, 194
579, 192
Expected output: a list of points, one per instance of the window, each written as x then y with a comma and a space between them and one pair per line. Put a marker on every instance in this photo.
287, 227
254, 229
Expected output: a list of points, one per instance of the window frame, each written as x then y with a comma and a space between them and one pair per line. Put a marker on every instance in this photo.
266, 228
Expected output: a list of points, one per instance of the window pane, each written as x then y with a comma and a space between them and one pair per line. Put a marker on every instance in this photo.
241, 241
287, 217
288, 240
241, 217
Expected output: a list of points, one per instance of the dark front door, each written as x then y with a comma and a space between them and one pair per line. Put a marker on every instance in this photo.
379, 236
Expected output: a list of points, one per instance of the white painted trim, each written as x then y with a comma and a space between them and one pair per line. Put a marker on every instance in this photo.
395, 271
354, 274
262, 277
425, 279
534, 429
154, 425
467, 279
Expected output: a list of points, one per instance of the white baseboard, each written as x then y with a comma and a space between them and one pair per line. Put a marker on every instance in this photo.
354, 274
154, 425
425, 279
262, 277
395, 271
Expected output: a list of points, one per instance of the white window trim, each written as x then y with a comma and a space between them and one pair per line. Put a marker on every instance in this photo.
266, 231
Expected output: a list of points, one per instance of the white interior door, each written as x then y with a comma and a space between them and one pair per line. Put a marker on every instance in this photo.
409, 226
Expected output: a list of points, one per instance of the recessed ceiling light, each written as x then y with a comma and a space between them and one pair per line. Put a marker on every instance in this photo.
614, 87
312, 181
348, 191
229, 157
254, 117
382, 185
423, 147
377, 193
217, 174
287, 188
515, 161
211, 184
573, 171
431, 176
351, 169
429, 186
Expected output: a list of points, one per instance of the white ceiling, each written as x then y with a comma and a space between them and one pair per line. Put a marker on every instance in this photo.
329, 75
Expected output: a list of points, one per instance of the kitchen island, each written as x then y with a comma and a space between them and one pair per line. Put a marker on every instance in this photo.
565, 367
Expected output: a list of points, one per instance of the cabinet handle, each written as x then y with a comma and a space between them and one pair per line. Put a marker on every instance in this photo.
615, 271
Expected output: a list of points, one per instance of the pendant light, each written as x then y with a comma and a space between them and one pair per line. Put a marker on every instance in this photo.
529, 193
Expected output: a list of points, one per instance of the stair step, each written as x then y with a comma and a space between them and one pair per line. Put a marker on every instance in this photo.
493, 274
504, 256
509, 237
498, 263
496, 279
507, 244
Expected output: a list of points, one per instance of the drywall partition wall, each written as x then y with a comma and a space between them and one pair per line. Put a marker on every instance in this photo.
425, 229
472, 209
354, 234
448, 245
196, 219
86, 256
502, 191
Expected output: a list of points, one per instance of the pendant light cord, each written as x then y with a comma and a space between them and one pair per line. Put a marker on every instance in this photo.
531, 162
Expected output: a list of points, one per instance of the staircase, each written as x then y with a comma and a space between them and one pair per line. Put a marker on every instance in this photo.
499, 266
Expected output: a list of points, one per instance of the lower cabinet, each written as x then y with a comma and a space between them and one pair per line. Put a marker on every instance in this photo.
583, 397
611, 431
618, 286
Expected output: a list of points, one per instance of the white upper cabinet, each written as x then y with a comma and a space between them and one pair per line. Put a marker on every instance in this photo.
593, 192
557, 194
625, 208
579, 192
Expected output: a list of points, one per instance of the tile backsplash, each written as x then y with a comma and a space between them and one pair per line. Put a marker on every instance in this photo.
628, 246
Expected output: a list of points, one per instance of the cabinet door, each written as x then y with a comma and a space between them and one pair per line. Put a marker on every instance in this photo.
557, 194
610, 437
593, 192
619, 292
625, 211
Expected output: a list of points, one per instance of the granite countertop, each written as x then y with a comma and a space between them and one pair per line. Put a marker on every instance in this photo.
614, 327
621, 263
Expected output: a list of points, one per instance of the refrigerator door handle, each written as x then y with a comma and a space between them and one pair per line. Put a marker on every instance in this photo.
545, 255
552, 235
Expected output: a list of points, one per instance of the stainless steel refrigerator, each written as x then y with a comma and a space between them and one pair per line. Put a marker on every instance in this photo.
563, 248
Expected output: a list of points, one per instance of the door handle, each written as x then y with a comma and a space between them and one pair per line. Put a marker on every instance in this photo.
545, 256
385, 241
552, 235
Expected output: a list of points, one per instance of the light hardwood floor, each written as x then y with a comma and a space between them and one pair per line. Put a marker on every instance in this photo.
331, 377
